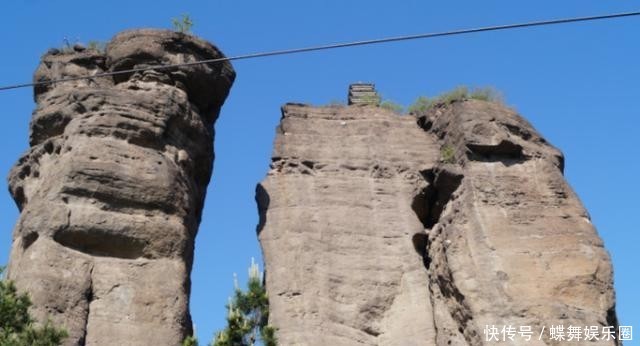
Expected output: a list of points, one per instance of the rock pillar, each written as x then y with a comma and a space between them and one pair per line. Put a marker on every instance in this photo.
387, 229
112, 187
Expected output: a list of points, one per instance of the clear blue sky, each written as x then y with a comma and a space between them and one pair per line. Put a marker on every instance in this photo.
578, 84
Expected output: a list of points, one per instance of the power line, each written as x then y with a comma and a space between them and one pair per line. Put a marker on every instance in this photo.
333, 46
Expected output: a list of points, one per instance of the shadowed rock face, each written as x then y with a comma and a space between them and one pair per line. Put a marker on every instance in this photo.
371, 236
112, 188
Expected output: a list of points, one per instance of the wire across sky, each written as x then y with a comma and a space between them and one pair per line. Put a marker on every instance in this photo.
334, 46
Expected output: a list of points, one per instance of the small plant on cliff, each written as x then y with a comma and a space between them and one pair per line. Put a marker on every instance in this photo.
17, 327
182, 24
248, 315
461, 93
420, 106
97, 46
67, 46
392, 106
486, 94
447, 154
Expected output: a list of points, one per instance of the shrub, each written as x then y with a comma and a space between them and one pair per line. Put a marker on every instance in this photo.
420, 105
447, 154
392, 106
98, 46
486, 94
17, 327
460, 93
67, 46
182, 24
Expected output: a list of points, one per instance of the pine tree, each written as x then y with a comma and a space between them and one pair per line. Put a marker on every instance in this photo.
248, 315
17, 326
190, 341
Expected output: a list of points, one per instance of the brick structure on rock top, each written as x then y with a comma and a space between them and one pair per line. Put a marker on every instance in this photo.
112, 188
363, 94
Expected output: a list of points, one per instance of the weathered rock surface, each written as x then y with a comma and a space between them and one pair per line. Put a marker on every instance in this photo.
381, 229
341, 265
112, 188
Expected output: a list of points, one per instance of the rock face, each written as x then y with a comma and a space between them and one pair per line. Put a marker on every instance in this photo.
112, 188
381, 229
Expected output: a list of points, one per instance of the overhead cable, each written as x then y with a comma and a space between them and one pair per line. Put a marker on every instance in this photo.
332, 46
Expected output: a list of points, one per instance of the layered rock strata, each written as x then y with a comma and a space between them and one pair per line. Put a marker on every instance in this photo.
382, 229
112, 187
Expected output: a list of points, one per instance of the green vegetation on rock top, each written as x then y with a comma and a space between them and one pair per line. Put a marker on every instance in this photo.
461, 93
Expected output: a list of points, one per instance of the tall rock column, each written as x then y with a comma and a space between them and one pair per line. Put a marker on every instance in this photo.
111, 190
509, 243
382, 229
337, 228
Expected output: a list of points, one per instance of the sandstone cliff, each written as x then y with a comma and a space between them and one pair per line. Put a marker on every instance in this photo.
381, 229
112, 188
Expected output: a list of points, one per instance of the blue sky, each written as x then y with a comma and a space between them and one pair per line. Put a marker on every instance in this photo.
578, 84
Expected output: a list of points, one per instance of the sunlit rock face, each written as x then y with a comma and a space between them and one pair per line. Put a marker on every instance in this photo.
112, 188
387, 229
